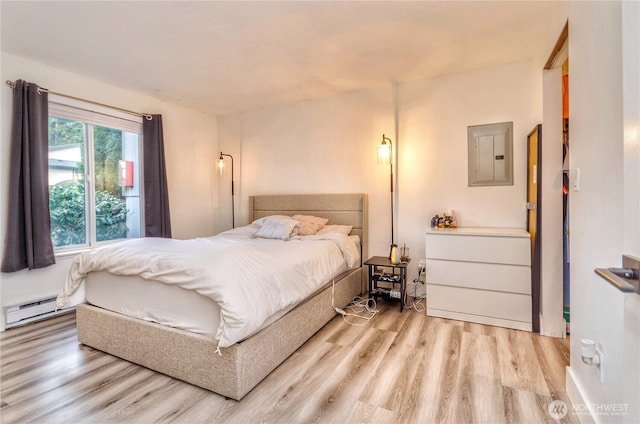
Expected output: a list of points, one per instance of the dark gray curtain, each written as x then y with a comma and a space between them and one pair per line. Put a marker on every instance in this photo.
28, 240
156, 197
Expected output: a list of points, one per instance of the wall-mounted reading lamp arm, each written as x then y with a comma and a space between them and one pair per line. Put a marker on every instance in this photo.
221, 166
386, 140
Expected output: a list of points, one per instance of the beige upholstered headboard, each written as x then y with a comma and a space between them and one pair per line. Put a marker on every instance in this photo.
341, 208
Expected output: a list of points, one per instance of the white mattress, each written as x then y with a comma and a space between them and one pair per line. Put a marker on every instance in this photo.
166, 304
149, 300
153, 301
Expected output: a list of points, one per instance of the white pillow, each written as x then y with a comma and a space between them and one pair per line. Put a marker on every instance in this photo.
277, 228
334, 228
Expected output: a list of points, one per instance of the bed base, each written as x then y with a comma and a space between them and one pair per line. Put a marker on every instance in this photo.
192, 357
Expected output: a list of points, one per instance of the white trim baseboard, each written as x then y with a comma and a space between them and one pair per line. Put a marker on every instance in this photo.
577, 400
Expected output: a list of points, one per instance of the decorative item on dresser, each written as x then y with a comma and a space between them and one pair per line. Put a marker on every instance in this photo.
480, 275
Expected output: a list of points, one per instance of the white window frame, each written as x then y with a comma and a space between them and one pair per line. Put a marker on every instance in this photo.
92, 114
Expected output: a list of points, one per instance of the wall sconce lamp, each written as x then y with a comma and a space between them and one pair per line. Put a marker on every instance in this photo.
384, 151
385, 157
220, 169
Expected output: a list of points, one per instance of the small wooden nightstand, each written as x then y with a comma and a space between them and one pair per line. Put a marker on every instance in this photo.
387, 280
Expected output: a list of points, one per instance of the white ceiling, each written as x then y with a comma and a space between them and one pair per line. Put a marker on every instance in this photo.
225, 57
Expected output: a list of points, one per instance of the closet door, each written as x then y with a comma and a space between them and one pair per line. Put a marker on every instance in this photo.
534, 173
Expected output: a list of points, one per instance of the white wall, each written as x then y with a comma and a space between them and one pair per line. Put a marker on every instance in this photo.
631, 117
329, 145
603, 101
434, 116
320, 146
190, 147
550, 208
631, 110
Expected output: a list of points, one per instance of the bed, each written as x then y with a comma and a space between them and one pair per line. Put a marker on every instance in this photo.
197, 357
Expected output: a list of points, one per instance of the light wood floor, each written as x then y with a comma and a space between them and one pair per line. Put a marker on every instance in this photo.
402, 367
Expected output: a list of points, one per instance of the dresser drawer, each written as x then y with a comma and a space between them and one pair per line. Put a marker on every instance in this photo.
479, 303
478, 248
484, 276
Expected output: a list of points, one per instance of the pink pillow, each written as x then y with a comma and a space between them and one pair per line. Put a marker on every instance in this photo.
309, 225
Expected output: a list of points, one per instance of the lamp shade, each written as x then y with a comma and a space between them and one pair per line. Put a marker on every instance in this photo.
220, 165
384, 151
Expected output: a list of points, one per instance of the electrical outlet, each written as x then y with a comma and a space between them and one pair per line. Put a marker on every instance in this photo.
416, 289
422, 265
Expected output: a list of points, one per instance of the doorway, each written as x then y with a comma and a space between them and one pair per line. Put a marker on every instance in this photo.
553, 181
565, 198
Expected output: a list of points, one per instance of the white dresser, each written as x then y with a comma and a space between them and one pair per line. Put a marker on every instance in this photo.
480, 275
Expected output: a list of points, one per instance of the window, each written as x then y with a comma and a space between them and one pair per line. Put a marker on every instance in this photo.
94, 175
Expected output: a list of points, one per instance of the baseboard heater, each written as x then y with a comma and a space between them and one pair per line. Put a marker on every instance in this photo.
33, 311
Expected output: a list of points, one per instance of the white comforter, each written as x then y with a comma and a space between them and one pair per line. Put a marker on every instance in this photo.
250, 278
